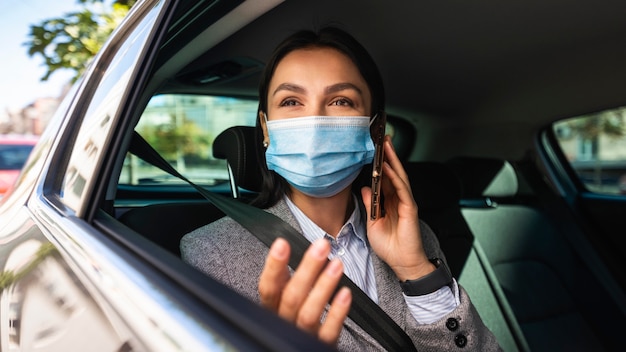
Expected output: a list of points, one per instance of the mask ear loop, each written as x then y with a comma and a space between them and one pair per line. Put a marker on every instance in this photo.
373, 119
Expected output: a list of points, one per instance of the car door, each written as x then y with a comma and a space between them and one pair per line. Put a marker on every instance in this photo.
587, 159
55, 294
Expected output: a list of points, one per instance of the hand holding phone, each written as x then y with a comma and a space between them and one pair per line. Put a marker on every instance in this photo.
377, 130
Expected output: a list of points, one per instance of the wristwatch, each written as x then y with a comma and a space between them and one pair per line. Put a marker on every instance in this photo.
430, 283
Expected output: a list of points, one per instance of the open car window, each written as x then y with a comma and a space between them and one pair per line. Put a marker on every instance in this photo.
595, 147
182, 128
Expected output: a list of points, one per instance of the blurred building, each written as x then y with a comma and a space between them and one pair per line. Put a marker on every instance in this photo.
31, 119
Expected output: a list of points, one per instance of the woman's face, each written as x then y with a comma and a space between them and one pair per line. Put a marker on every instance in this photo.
317, 82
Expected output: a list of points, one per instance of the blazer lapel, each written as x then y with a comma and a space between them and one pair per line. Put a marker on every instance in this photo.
390, 297
281, 209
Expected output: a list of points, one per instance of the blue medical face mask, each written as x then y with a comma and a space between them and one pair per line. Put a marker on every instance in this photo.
319, 155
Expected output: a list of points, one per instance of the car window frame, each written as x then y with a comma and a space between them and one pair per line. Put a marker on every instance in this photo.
561, 173
74, 120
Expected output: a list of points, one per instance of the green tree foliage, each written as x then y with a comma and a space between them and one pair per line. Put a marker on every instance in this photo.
71, 41
610, 123
175, 140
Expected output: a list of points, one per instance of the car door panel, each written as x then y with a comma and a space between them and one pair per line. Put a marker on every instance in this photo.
606, 216
44, 304
599, 212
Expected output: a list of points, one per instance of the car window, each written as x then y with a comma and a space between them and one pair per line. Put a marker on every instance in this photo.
113, 75
182, 128
595, 147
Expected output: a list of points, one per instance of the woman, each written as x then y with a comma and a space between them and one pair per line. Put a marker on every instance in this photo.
318, 95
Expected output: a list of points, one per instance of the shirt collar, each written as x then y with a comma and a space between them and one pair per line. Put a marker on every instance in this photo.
312, 232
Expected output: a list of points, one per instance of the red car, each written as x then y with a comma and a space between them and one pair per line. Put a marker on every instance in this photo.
14, 151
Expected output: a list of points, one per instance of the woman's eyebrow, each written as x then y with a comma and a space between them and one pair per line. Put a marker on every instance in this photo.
338, 87
342, 86
290, 87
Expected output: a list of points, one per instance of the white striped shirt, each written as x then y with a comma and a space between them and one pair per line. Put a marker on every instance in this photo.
352, 247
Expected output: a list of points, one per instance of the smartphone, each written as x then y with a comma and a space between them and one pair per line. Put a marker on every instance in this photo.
377, 131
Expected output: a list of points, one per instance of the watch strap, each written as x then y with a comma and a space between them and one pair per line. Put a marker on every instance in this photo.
429, 283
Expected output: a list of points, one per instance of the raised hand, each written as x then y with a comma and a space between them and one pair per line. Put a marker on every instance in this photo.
302, 297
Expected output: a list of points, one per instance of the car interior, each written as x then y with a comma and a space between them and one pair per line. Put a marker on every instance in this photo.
473, 89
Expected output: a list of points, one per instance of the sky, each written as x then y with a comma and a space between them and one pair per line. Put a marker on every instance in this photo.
20, 74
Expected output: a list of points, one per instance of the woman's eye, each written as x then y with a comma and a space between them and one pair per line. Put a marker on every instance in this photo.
289, 102
342, 102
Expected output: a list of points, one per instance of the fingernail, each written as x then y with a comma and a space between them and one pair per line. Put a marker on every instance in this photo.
390, 144
343, 295
279, 249
334, 268
319, 248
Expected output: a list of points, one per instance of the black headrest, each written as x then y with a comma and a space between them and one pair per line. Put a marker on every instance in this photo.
237, 145
485, 177
434, 185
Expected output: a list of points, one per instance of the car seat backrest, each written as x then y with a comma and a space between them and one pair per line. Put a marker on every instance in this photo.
436, 190
485, 177
237, 145
484, 180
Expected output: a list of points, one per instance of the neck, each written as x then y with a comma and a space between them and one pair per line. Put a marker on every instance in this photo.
330, 213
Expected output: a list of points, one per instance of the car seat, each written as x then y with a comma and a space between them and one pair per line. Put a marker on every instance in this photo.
557, 298
437, 192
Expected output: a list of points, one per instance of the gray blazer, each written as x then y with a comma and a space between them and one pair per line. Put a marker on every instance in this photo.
235, 257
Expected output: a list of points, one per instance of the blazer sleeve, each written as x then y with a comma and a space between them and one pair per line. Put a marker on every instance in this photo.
461, 328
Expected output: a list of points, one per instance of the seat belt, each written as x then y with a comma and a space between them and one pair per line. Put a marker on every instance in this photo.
267, 227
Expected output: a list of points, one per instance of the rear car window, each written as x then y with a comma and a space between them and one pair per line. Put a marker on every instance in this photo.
595, 147
182, 128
